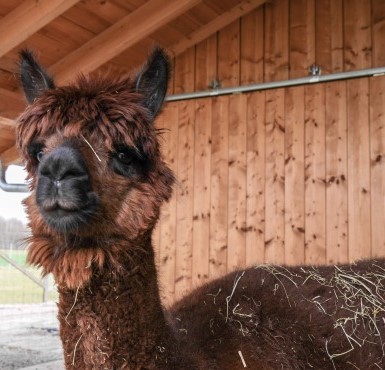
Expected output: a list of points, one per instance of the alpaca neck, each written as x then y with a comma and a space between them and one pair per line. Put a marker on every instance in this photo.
117, 320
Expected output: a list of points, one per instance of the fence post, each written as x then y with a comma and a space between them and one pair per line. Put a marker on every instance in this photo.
45, 288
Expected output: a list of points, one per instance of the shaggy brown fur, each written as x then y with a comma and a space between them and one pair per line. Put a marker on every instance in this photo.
110, 313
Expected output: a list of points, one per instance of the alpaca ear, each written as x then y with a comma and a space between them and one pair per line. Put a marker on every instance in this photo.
34, 78
152, 80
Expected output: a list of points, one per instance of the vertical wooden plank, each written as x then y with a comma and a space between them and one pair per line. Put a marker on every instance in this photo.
337, 38
252, 47
184, 72
184, 81
377, 159
168, 212
219, 186
228, 73
202, 170
255, 196
323, 35
357, 39
228, 55
336, 173
206, 63
156, 233
302, 37
184, 194
275, 177
236, 256
358, 169
378, 13
156, 244
276, 40
294, 176
329, 35
315, 175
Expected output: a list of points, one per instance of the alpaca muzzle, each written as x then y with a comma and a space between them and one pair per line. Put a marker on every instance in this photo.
64, 192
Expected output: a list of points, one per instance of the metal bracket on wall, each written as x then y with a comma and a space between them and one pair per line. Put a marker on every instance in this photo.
214, 84
315, 70
12, 188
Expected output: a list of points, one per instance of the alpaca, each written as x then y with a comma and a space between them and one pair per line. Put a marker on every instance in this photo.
98, 180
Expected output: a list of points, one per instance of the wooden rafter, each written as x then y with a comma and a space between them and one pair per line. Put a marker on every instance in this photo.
10, 156
11, 103
217, 24
6, 122
120, 36
27, 18
123, 34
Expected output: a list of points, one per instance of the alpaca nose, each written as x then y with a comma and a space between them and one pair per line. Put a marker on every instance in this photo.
64, 182
63, 163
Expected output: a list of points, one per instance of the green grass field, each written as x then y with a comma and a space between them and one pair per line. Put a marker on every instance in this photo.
17, 255
15, 287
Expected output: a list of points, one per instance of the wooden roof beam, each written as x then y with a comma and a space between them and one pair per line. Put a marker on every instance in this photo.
217, 24
11, 103
131, 29
7, 122
135, 26
10, 156
26, 19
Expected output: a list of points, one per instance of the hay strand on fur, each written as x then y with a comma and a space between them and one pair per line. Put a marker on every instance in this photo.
93, 150
76, 297
228, 298
242, 359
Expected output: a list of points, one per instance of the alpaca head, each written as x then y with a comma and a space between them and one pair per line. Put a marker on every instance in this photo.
92, 155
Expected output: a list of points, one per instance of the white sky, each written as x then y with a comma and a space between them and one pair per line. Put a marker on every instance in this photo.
10, 203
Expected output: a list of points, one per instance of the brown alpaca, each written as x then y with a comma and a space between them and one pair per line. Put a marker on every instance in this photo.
98, 181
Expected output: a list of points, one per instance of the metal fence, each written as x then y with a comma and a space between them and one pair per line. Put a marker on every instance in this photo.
28, 314
20, 283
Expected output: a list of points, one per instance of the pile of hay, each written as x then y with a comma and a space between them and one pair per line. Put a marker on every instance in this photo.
355, 301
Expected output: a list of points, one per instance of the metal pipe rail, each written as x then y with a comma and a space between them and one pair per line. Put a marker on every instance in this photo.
14, 188
372, 72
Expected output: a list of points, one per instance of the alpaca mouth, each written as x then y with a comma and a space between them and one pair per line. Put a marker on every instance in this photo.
67, 217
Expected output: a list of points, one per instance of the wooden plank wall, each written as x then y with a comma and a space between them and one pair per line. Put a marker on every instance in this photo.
292, 175
287, 176
282, 39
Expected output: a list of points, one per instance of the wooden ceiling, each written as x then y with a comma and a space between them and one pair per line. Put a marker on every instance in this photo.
72, 36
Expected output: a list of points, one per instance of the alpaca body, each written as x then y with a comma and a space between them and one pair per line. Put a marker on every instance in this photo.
265, 317
329, 317
98, 181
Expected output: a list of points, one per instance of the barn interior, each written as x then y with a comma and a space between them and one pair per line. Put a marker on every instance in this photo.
282, 160
274, 121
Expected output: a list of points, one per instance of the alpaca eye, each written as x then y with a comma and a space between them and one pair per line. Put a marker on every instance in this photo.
39, 155
128, 161
124, 157
36, 152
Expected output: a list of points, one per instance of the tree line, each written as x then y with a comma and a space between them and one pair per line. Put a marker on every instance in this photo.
12, 233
